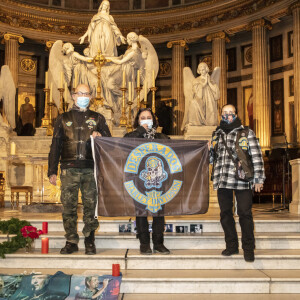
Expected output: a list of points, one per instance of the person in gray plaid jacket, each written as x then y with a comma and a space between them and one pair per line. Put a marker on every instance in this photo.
225, 180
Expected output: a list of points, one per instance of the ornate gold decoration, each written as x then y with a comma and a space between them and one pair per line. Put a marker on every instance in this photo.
217, 35
259, 23
99, 61
47, 120
164, 69
248, 55
180, 19
123, 119
295, 5
182, 43
28, 65
13, 36
49, 45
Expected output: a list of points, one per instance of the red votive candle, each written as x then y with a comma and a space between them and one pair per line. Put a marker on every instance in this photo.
45, 227
45, 245
115, 270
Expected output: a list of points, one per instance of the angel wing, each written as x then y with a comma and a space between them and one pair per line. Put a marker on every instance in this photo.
151, 63
58, 62
215, 76
8, 95
188, 79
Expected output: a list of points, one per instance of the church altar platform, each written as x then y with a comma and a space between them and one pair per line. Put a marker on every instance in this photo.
194, 269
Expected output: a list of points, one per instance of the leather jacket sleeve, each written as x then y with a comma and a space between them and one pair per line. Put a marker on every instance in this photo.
138, 133
56, 147
103, 127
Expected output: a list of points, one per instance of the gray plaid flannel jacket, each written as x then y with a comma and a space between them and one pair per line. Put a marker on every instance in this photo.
223, 175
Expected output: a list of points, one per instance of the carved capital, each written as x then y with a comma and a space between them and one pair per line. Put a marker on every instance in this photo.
295, 6
181, 43
49, 45
13, 36
259, 23
217, 35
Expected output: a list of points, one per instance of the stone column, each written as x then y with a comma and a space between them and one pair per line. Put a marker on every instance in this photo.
296, 36
12, 53
219, 40
261, 82
177, 82
295, 204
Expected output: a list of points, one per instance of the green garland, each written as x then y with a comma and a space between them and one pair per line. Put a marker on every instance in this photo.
12, 226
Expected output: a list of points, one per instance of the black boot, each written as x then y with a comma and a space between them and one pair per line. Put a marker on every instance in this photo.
158, 244
158, 236
89, 242
142, 227
69, 248
145, 248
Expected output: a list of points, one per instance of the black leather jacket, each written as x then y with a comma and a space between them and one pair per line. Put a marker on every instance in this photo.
71, 141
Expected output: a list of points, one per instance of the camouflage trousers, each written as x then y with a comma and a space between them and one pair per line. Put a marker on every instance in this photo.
72, 180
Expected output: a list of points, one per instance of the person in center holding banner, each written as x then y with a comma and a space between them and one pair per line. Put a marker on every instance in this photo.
145, 125
237, 167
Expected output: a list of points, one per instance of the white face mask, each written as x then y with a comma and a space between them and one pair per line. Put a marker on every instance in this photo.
147, 122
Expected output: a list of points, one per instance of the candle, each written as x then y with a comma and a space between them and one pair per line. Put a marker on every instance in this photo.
124, 81
45, 227
12, 148
46, 80
66, 94
129, 91
132, 91
61, 79
51, 92
153, 78
138, 79
146, 91
45, 245
115, 270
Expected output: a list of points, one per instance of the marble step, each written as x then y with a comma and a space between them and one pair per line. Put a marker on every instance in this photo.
195, 284
210, 281
103, 260
210, 240
112, 225
209, 296
131, 259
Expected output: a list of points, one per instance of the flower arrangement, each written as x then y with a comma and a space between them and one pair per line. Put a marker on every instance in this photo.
30, 233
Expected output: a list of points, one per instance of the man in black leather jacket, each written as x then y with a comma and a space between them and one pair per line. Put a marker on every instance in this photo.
71, 145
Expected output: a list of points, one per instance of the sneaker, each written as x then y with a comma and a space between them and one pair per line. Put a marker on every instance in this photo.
69, 248
160, 248
229, 252
249, 255
145, 249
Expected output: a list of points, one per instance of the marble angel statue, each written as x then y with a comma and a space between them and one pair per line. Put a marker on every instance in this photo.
7, 96
103, 33
141, 56
64, 59
201, 96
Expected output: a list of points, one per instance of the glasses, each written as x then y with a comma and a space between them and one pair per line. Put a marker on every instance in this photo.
82, 94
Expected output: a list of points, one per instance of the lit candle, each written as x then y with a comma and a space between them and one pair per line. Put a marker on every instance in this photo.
66, 94
129, 91
51, 92
12, 148
145, 90
124, 81
45, 245
45, 227
138, 79
153, 78
61, 80
46, 80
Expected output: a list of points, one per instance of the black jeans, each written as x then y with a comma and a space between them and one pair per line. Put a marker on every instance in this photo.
244, 210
